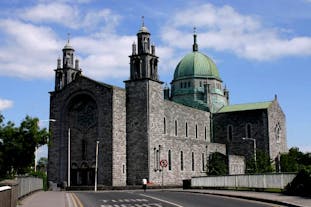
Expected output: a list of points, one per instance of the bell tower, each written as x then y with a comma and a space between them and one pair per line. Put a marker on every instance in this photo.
144, 96
143, 61
69, 70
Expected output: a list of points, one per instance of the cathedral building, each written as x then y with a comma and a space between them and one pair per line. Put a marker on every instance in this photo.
148, 130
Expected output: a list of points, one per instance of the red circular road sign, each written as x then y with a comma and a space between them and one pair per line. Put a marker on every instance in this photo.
163, 163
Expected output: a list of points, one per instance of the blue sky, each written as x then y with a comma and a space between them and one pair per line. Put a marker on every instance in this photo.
261, 48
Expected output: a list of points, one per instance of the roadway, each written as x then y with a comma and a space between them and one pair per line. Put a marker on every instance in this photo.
157, 198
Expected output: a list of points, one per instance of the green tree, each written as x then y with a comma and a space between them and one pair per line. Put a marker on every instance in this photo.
42, 164
217, 164
294, 160
19, 144
263, 163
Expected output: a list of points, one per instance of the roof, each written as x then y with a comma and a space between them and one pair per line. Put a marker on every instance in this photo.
196, 65
245, 107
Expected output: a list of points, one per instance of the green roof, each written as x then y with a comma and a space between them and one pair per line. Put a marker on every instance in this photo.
245, 107
196, 64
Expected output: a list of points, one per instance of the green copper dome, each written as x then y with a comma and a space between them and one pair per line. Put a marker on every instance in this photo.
196, 65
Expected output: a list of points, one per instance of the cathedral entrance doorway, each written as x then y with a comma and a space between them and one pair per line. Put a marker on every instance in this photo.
83, 176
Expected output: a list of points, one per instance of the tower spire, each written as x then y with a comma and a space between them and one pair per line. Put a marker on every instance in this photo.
195, 45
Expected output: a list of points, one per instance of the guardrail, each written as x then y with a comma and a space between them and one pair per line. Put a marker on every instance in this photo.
278, 181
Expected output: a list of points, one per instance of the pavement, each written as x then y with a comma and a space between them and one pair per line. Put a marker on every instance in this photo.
65, 199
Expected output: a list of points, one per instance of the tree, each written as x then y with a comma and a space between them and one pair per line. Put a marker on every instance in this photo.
263, 163
217, 164
294, 160
42, 164
19, 144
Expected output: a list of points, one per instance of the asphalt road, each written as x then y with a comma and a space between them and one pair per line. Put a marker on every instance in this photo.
160, 199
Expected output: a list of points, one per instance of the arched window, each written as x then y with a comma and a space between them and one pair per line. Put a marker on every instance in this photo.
278, 133
181, 160
248, 130
192, 161
164, 126
186, 129
175, 128
169, 160
196, 131
203, 162
230, 133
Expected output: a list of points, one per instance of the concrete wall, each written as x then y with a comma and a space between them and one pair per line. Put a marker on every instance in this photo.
248, 181
5, 196
18, 188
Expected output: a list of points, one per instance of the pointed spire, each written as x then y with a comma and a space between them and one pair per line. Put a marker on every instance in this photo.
68, 35
195, 45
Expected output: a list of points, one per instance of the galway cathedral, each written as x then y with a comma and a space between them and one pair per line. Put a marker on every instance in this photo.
149, 130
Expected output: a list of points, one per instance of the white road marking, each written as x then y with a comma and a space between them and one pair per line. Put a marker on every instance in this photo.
175, 204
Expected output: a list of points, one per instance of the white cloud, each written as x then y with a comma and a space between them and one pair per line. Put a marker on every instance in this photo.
30, 51
224, 29
5, 104
70, 16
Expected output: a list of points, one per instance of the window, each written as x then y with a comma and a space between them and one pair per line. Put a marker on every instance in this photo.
185, 84
123, 168
278, 133
196, 131
248, 130
164, 126
188, 84
175, 128
180, 84
229, 133
192, 161
169, 160
84, 149
203, 163
205, 133
181, 160
200, 83
186, 129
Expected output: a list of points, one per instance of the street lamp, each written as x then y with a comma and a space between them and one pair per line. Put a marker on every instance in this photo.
36, 148
254, 141
96, 165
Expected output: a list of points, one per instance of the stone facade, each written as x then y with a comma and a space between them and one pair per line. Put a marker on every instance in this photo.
137, 127
265, 125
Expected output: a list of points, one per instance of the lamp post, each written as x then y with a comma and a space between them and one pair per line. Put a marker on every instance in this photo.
96, 165
68, 164
254, 141
36, 148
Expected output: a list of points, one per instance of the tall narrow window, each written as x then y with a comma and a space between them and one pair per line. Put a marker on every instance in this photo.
248, 130
229, 133
169, 160
196, 131
203, 163
84, 149
186, 129
164, 126
205, 133
192, 161
181, 160
278, 133
175, 128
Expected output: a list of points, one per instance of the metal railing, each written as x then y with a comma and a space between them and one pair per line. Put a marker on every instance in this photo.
278, 181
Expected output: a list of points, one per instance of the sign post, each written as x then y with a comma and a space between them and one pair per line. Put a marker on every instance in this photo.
163, 164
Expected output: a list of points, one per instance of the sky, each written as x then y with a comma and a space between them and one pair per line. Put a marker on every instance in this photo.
261, 49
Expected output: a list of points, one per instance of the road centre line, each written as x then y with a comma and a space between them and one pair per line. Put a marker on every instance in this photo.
74, 200
165, 201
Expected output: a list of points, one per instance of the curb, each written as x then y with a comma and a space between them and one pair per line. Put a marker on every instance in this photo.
245, 197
